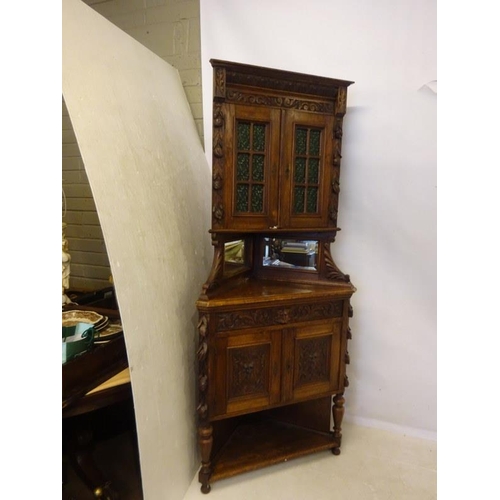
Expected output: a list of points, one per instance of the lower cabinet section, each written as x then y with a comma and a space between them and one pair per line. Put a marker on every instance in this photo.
270, 379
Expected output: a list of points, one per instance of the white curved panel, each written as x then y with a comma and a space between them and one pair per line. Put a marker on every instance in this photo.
151, 184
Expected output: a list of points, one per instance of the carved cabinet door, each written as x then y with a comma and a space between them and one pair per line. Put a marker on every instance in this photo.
252, 148
307, 166
246, 370
312, 360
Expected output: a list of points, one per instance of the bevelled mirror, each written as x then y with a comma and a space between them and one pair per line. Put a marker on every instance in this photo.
235, 257
291, 254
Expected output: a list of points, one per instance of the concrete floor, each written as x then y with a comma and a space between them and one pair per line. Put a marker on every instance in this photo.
374, 465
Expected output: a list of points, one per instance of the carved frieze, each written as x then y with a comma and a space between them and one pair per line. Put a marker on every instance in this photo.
281, 102
278, 315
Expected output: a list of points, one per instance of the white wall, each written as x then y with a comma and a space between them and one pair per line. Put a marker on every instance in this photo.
388, 176
149, 178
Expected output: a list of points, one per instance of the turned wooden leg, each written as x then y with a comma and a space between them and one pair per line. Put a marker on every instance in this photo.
205, 440
83, 462
338, 415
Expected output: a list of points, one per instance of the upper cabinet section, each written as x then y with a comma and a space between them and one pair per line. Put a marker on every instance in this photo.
276, 149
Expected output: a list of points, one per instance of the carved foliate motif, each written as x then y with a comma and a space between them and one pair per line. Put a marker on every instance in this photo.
219, 121
217, 181
215, 273
218, 118
282, 102
218, 144
341, 101
332, 271
313, 362
334, 196
220, 82
278, 315
202, 355
218, 211
248, 370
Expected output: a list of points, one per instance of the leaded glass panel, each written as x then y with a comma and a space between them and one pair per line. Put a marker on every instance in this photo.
242, 197
258, 168
243, 167
312, 200
301, 141
243, 136
314, 136
300, 170
257, 198
259, 137
298, 199
313, 171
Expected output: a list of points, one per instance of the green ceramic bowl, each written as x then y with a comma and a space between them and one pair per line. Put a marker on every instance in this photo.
76, 340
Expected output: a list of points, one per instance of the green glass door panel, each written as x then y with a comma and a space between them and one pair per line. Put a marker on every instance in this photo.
251, 166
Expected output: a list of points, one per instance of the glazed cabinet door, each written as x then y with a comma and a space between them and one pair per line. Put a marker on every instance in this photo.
252, 149
246, 368
306, 172
312, 360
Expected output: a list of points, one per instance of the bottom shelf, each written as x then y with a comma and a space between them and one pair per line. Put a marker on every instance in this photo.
263, 443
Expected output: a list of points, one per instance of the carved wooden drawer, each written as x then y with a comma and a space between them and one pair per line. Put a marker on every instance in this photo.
279, 315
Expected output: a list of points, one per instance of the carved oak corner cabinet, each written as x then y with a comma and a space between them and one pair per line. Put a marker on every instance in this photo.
274, 311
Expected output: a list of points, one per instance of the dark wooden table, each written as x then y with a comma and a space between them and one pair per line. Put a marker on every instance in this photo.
80, 376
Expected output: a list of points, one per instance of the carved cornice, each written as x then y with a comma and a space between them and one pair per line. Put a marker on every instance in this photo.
278, 315
279, 84
280, 102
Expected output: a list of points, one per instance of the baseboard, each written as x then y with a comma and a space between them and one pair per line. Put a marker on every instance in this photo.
388, 426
